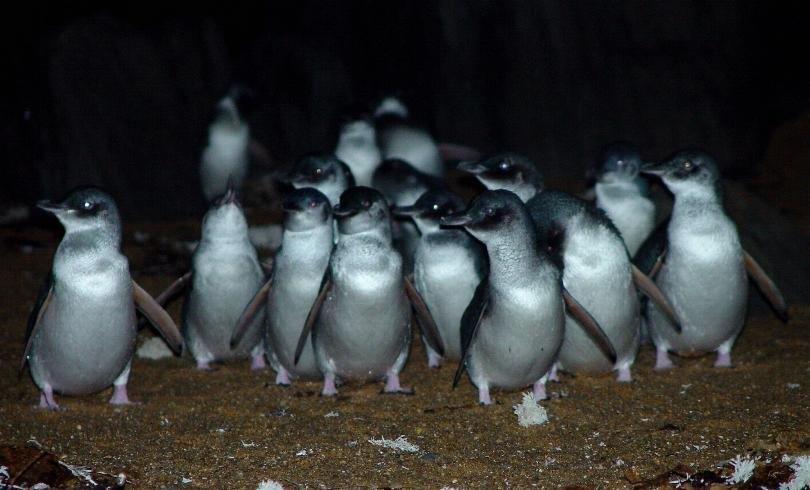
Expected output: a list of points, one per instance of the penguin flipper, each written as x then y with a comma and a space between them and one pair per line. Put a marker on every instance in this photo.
158, 317
424, 319
590, 325
41, 304
254, 306
766, 286
470, 322
326, 285
649, 288
181, 283
650, 256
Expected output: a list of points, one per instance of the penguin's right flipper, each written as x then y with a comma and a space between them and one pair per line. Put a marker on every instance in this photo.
651, 254
158, 317
326, 285
767, 286
180, 284
590, 325
41, 304
470, 321
253, 307
424, 319
649, 288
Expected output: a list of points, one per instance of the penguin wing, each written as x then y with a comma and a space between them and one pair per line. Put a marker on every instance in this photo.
651, 290
470, 321
175, 288
158, 317
43, 299
590, 325
424, 319
650, 256
326, 285
766, 286
253, 307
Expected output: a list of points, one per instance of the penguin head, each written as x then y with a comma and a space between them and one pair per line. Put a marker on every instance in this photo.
553, 212
225, 218
508, 171
85, 208
359, 130
391, 106
228, 117
617, 162
305, 209
431, 206
491, 216
361, 209
318, 169
400, 182
687, 170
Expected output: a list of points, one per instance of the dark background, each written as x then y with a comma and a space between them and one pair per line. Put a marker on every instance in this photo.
122, 96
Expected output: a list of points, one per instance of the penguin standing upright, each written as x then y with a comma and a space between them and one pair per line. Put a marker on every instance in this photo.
226, 155
357, 147
81, 332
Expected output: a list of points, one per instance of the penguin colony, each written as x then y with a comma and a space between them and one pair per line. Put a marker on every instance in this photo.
520, 283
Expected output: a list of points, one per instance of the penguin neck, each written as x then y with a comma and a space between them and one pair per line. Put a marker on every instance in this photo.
93, 238
510, 258
696, 200
311, 243
426, 226
525, 191
381, 233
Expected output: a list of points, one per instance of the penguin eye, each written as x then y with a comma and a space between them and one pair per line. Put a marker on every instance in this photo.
688, 165
435, 207
88, 206
366, 204
313, 204
490, 211
504, 166
318, 171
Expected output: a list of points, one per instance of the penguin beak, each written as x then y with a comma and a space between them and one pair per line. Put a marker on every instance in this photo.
52, 207
230, 193
457, 219
405, 211
340, 211
658, 169
474, 168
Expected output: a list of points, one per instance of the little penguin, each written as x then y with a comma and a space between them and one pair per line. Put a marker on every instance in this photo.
324, 172
401, 184
226, 155
698, 262
293, 284
623, 194
508, 171
81, 332
449, 265
399, 137
357, 147
596, 269
513, 327
225, 274
360, 321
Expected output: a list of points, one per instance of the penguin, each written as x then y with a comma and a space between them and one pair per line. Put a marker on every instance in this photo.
357, 147
293, 284
225, 274
623, 194
508, 171
513, 327
324, 172
398, 137
360, 321
698, 262
597, 270
401, 184
81, 332
226, 155
449, 265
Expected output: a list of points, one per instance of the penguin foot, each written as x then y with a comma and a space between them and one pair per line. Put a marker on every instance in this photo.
624, 376
46, 400
434, 360
120, 397
553, 375
392, 386
483, 396
257, 362
283, 377
723, 360
204, 366
329, 388
539, 390
662, 360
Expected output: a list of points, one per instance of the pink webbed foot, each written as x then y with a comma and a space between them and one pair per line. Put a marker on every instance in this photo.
392, 386
553, 375
723, 360
257, 362
120, 397
483, 396
329, 388
434, 360
204, 366
539, 389
662, 360
46, 400
623, 375
282, 377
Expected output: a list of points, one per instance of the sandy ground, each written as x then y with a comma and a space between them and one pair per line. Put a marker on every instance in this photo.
232, 427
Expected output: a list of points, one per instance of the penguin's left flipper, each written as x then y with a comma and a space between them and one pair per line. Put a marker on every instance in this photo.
180, 284
591, 326
766, 286
326, 285
648, 287
158, 317
470, 322
424, 319
650, 256
254, 306
41, 304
